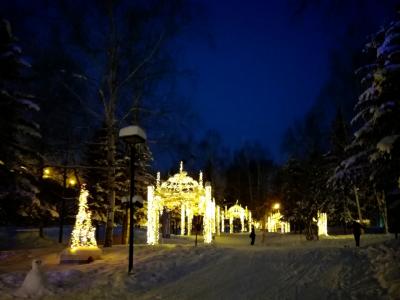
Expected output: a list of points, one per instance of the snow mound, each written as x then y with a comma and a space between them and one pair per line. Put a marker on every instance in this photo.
385, 259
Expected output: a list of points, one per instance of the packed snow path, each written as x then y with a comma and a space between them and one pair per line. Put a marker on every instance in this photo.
285, 267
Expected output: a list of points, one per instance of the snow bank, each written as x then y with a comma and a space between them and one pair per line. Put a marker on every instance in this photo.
385, 259
283, 267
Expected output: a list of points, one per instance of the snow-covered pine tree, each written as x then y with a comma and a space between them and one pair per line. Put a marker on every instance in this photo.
341, 203
96, 179
304, 191
376, 144
19, 134
95, 157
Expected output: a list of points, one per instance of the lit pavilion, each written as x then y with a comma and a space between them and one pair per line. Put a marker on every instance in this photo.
181, 192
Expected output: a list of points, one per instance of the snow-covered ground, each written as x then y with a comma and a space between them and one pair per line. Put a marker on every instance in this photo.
284, 267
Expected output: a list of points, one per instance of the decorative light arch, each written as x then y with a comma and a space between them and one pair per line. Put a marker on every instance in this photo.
275, 223
236, 211
181, 191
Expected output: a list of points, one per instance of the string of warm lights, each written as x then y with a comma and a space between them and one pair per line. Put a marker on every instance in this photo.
218, 219
322, 222
181, 191
83, 234
222, 221
237, 211
152, 218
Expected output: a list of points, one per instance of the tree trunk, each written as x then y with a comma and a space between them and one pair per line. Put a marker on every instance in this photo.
110, 185
62, 208
358, 204
110, 120
380, 197
41, 234
125, 225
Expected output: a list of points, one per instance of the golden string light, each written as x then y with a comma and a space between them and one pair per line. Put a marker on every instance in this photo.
180, 191
83, 234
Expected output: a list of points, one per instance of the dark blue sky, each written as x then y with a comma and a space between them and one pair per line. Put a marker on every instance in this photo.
265, 65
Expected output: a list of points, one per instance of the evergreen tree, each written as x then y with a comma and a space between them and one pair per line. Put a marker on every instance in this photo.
342, 201
95, 159
95, 176
375, 147
20, 162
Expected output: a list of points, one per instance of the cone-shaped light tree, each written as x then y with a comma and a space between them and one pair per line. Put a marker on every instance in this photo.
83, 235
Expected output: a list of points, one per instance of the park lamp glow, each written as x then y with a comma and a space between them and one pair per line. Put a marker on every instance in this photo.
276, 206
46, 173
83, 235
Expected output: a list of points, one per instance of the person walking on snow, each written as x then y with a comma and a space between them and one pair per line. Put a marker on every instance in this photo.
357, 232
252, 235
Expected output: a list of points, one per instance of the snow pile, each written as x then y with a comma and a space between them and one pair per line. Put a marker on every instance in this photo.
385, 259
386, 144
283, 267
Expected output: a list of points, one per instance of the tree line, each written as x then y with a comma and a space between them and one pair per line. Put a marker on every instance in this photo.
64, 100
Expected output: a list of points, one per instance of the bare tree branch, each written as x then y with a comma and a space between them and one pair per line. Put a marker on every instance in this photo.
143, 62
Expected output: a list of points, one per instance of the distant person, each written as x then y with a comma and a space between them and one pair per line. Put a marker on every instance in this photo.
314, 230
357, 232
252, 235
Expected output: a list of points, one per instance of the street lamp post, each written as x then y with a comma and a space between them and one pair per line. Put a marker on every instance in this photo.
132, 135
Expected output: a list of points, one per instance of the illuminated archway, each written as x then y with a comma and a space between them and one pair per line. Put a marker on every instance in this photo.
236, 212
183, 192
275, 223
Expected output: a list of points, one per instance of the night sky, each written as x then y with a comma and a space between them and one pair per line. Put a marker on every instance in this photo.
258, 66
266, 62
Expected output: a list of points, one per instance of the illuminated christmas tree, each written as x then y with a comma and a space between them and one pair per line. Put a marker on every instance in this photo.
83, 234
83, 243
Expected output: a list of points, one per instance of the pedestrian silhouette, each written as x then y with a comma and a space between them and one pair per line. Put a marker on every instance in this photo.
357, 232
252, 235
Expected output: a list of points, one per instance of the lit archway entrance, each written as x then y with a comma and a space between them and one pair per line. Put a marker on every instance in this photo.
186, 194
236, 212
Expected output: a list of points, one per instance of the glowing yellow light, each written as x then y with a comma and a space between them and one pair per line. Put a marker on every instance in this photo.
322, 222
277, 206
250, 221
222, 221
201, 178
46, 173
189, 213
72, 182
208, 217
83, 235
180, 191
275, 224
218, 220
237, 211
152, 218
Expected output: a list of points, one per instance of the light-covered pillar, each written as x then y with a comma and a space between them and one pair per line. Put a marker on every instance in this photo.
230, 224
213, 223
158, 181
183, 219
269, 224
208, 216
189, 213
207, 222
222, 221
250, 221
242, 221
218, 216
201, 178
152, 217
322, 222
